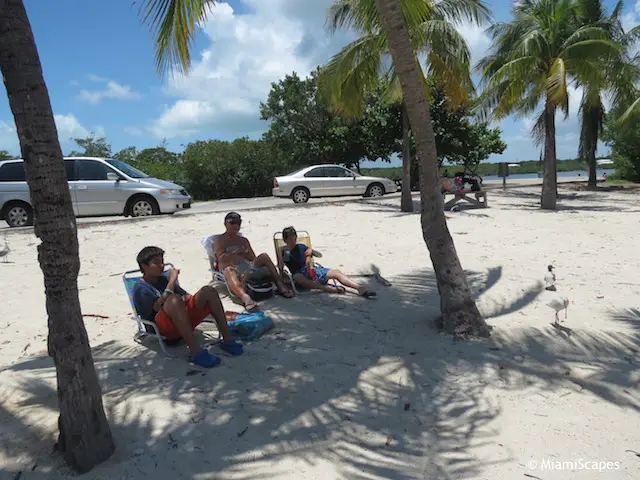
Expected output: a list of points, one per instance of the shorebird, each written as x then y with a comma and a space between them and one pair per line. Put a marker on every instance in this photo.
550, 279
4, 253
558, 304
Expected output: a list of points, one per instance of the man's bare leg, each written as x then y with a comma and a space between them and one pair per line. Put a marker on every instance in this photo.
237, 287
263, 260
304, 282
175, 308
208, 297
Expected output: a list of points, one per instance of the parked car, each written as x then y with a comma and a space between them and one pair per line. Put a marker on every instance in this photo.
329, 181
99, 186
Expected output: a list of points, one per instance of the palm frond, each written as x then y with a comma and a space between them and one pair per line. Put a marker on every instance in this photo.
557, 85
173, 24
539, 130
351, 74
631, 112
455, 11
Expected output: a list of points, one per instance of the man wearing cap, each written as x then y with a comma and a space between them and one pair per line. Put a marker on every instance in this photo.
237, 260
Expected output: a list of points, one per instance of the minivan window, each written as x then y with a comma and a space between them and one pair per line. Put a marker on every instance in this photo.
126, 169
91, 170
69, 169
12, 172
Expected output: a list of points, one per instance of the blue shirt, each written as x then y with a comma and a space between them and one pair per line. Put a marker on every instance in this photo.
145, 295
294, 259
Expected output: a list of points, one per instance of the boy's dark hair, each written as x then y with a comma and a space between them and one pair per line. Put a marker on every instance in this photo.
147, 254
289, 232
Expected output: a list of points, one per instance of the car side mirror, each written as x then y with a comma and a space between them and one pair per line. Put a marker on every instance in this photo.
114, 177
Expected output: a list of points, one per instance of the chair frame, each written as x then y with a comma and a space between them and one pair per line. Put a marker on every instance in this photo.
278, 243
142, 323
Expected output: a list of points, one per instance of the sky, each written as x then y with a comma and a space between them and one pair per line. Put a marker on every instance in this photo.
98, 62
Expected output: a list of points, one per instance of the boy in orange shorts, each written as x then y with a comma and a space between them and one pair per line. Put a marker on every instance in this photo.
160, 299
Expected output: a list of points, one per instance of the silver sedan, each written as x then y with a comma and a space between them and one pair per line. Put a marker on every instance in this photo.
330, 181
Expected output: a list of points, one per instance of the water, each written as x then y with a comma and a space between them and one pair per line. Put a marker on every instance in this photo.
574, 173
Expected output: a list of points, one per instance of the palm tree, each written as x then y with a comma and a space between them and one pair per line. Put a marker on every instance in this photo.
534, 58
460, 314
616, 79
84, 434
359, 67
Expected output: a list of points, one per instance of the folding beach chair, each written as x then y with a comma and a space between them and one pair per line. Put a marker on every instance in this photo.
278, 243
145, 327
260, 287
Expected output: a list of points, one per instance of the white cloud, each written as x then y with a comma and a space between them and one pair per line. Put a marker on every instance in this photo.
632, 17
477, 39
112, 89
67, 125
248, 52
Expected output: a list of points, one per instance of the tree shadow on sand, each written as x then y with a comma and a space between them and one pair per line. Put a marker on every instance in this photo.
366, 389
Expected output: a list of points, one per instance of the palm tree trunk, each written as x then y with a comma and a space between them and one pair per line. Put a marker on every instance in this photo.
406, 202
548, 198
593, 172
85, 437
460, 314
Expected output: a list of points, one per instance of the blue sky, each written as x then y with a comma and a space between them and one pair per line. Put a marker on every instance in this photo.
98, 63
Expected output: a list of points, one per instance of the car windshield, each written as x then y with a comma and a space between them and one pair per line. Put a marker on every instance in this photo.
127, 169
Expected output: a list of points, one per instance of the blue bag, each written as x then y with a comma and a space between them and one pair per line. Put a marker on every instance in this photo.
250, 326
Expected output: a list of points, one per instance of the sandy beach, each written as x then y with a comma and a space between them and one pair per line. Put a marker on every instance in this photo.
349, 388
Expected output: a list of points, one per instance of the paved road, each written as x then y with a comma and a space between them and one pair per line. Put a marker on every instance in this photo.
264, 203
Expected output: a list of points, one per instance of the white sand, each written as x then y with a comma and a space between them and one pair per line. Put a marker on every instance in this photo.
323, 396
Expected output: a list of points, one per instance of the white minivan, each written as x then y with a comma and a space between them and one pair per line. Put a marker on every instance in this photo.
98, 186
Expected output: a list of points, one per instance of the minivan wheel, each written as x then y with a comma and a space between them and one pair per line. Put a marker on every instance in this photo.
18, 214
143, 207
375, 190
300, 195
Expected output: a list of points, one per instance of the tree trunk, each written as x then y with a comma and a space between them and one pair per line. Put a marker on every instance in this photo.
460, 315
406, 201
593, 172
548, 198
85, 437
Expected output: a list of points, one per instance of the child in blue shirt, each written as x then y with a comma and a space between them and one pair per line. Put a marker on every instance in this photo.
294, 255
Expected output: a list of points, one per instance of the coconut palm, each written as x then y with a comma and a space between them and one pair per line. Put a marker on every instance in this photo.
359, 67
460, 314
534, 58
615, 80
84, 434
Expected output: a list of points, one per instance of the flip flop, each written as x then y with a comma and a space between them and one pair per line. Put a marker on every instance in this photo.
251, 306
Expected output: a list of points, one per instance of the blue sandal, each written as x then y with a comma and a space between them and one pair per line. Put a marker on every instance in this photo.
231, 347
205, 359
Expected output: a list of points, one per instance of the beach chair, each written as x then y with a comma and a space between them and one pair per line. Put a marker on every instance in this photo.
261, 287
145, 327
278, 243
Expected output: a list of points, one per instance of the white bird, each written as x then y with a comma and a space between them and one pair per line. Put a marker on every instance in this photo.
558, 304
4, 253
550, 279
